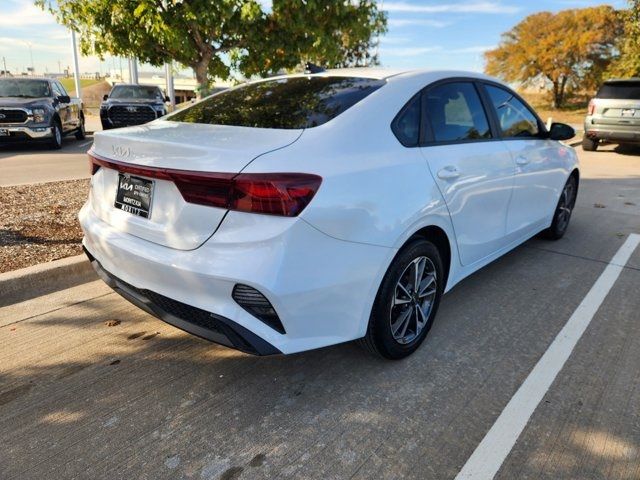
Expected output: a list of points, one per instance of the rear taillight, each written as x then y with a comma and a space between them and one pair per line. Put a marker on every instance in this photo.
285, 194
592, 107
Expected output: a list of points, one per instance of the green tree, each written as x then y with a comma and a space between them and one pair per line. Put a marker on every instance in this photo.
628, 64
216, 37
570, 49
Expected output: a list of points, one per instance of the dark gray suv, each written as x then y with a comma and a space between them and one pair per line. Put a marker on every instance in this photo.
614, 114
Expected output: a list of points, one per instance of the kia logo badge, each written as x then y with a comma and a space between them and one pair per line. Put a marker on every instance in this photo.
120, 151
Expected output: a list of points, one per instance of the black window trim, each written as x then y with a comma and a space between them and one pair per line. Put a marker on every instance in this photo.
425, 137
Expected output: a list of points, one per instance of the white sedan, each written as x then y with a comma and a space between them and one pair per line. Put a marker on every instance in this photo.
307, 210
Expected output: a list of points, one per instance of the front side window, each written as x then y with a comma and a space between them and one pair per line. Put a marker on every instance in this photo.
61, 88
289, 103
455, 113
56, 89
516, 120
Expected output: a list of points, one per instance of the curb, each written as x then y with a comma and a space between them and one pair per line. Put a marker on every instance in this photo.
26, 283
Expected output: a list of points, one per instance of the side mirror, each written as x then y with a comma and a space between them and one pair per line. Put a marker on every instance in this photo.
167, 99
105, 97
64, 99
561, 131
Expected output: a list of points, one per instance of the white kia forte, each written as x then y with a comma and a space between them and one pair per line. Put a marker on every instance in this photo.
307, 210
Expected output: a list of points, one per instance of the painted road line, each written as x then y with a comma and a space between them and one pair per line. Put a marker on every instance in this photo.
488, 457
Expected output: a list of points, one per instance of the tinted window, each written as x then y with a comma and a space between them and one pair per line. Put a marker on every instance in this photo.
136, 92
24, 88
297, 102
620, 90
61, 88
455, 112
406, 126
515, 118
56, 89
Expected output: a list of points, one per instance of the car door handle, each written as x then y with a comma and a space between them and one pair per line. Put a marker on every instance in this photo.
522, 160
449, 172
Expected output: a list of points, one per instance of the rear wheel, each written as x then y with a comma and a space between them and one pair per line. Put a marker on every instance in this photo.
407, 301
81, 133
589, 144
56, 135
563, 211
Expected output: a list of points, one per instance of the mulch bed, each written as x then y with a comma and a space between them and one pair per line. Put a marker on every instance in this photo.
39, 223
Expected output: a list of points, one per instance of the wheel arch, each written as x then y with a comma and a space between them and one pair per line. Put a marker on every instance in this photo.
441, 240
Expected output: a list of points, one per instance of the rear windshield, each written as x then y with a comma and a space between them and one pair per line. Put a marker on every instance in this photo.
620, 90
136, 92
289, 103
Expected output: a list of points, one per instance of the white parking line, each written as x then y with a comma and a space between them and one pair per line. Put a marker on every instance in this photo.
487, 458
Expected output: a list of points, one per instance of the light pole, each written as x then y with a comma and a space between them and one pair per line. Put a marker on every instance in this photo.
33, 70
76, 66
170, 88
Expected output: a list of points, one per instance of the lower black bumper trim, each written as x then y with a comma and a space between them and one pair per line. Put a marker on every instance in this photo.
196, 321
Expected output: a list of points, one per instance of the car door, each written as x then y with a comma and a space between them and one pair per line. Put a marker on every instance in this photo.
540, 175
64, 108
472, 168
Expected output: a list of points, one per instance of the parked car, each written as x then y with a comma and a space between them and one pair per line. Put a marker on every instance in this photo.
38, 109
128, 105
303, 211
614, 114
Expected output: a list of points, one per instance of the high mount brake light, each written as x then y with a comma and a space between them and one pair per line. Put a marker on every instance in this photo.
285, 194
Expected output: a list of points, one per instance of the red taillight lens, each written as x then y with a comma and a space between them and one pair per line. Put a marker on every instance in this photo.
285, 194
592, 107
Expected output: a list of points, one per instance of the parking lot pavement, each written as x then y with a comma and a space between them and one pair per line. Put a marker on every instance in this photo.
81, 399
34, 163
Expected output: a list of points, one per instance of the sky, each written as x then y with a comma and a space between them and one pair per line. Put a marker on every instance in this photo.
448, 34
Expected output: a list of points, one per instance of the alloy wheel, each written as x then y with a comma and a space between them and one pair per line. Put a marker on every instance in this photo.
413, 300
565, 206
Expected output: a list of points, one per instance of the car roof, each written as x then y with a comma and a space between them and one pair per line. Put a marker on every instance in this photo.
623, 80
394, 74
133, 85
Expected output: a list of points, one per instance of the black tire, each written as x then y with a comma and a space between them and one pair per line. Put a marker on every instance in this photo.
81, 134
55, 143
589, 145
564, 209
380, 338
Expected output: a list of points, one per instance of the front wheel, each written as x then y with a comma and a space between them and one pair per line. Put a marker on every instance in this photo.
563, 212
56, 136
407, 301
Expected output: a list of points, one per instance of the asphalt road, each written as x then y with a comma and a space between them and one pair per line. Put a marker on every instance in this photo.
81, 399
34, 163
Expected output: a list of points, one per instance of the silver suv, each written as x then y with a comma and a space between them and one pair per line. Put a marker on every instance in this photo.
614, 114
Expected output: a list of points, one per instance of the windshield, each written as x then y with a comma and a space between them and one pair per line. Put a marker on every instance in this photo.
289, 103
138, 92
11, 87
620, 90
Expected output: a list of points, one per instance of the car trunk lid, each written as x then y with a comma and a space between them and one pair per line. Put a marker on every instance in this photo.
147, 151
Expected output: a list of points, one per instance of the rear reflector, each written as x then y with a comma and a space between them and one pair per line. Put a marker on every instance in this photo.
285, 194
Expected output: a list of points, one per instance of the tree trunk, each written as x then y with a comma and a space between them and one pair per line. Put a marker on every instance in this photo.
555, 102
201, 69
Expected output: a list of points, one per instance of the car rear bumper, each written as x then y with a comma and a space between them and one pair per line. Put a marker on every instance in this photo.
24, 133
612, 133
321, 288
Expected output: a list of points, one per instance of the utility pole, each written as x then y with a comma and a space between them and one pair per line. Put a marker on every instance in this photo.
133, 70
170, 88
4, 62
76, 66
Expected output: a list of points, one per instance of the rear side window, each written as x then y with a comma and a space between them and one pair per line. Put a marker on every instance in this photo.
516, 120
289, 103
406, 126
455, 113
620, 91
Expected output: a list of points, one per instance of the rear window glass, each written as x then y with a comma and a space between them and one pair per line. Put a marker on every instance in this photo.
289, 103
620, 90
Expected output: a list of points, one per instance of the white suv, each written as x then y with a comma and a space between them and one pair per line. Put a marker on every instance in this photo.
308, 210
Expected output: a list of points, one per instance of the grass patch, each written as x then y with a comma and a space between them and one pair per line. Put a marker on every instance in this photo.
70, 86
